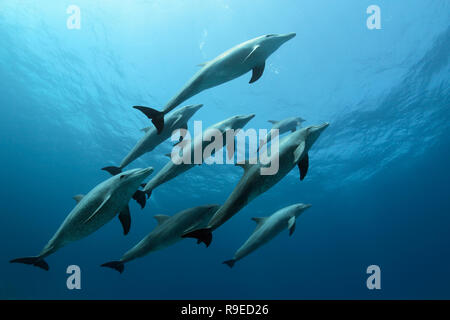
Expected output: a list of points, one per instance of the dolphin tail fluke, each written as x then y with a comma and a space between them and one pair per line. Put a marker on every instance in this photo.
113, 170
35, 261
202, 235
116, 265
229, 263
156, 116
139, 196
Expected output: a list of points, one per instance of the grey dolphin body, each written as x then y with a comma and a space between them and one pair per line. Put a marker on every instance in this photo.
172, 170
168, 232
293, 150
151, 139
268, 228
233, 63
283, 126
93, 211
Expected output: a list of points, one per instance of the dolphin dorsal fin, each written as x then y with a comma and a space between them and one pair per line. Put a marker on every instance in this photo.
259, 222
78, 197
251, 53
244, 165
272, 121
161, 218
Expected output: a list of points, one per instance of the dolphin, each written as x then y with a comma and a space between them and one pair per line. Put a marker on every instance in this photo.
151, 139
168, 232
293, 150
233, 63
283, 126
172, 170
268, 228
92, 211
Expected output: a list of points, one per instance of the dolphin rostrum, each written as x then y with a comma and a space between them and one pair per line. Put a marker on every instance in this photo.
151, 139
283, 126
172, 170
293, 151
268, 228
233, 63
168, 232
92, 211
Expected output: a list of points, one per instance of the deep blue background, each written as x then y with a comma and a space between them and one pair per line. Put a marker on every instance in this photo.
378, 180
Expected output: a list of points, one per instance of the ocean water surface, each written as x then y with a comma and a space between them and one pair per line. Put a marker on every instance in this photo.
378, 179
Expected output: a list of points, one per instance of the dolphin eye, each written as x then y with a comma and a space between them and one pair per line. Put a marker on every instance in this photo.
122, 176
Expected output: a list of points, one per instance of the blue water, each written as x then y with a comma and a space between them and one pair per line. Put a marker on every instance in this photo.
379, 175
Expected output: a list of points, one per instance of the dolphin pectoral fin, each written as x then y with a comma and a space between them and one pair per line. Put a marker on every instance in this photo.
35, 261
229, 263
298, 153
156, 116
291, 225
251, 53
78, 197
161, 218
112, 170
116, 265
98, 209
303, 166
257, 72
202, 235
125, 219
139, 196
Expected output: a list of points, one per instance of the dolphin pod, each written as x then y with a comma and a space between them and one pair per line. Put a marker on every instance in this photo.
171, 170
268, 228
92, 211
233, 63
111, 197
150, 140
293, 150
